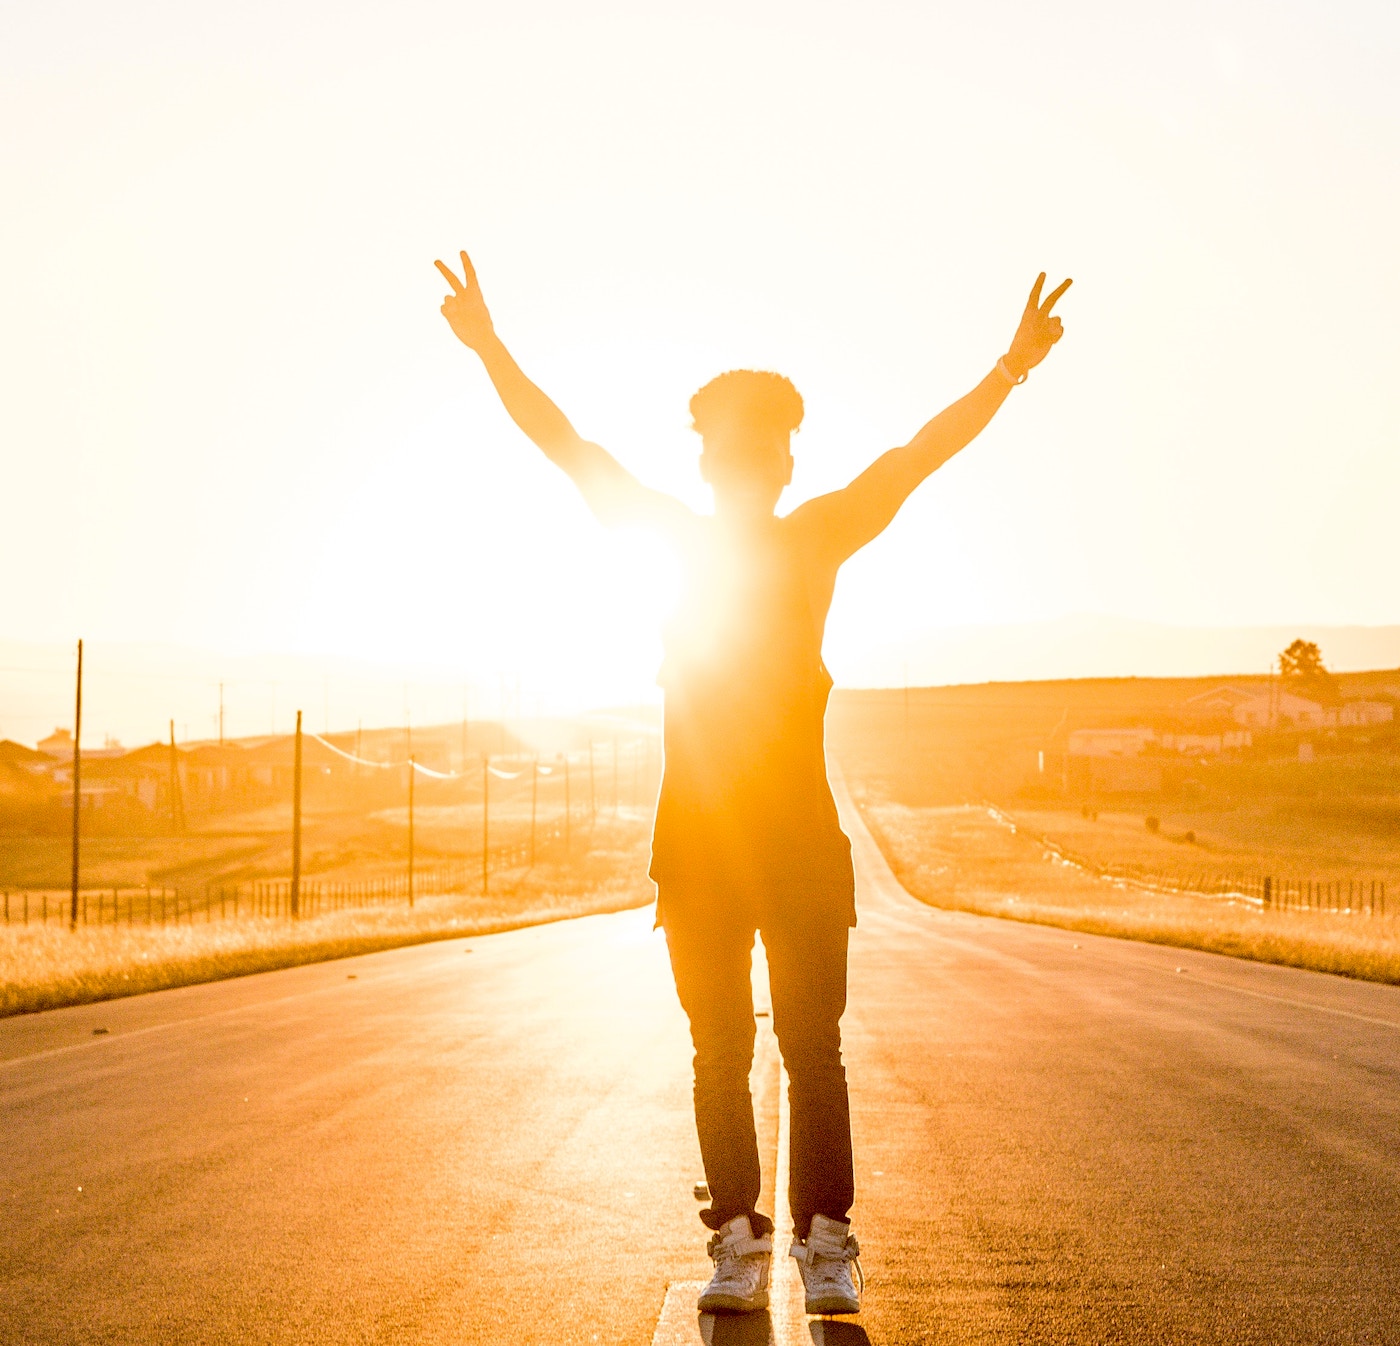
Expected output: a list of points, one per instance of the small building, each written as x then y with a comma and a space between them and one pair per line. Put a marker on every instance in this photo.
24, 759
1219, 703
1277, 709
1109, 742
59, 744
1282, 710
1363, 713
1111, 761
1206, 745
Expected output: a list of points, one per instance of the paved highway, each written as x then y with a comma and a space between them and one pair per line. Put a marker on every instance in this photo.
1059, 1138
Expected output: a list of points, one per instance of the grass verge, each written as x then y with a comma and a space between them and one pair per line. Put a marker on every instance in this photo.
44, 968
963, 859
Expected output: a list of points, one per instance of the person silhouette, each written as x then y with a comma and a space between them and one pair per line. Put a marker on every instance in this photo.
746, 838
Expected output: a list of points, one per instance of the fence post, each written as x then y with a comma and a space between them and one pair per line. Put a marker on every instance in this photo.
568, 811
77, 789
1268, 892
295, 895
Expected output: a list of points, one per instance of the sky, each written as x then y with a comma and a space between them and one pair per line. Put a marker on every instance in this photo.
232, 419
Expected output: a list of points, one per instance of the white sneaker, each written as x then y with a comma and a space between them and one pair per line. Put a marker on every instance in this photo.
742, 1263
825, 1260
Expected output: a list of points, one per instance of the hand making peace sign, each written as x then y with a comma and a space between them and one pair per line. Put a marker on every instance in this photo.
1038, 331
465, 309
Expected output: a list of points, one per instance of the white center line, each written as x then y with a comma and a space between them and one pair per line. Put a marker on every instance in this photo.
785, 1322
786, 1299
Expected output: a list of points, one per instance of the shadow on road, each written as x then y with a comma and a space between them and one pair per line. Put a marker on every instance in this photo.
833, 1332
739, 1329
756, 1329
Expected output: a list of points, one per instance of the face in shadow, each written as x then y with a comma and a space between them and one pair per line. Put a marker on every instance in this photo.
747, 467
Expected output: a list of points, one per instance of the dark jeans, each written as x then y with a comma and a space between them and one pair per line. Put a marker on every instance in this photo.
710, 955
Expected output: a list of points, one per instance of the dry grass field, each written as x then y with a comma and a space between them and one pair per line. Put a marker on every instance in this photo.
156, 904
46, 966
924, 765
962, 857
1196, 844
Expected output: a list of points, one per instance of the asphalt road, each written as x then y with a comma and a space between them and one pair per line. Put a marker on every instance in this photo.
1060, 1138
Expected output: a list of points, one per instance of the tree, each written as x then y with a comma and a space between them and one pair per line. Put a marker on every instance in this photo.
1301, 666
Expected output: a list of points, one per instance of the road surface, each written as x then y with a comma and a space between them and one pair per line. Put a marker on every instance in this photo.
1059, 1138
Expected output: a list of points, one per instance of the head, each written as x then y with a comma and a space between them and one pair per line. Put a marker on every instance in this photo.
746, 420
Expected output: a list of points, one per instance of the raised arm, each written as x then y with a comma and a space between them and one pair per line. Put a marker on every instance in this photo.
847, 519
612, 492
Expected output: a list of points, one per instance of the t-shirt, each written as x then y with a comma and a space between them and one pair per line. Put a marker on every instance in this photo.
745, 813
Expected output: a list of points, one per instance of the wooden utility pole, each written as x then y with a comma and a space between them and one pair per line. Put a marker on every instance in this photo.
485, 823
534, 800
77, 790
177, 803
296, 823
412, 772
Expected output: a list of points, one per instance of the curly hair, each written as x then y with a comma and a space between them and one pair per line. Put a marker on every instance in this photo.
751, 397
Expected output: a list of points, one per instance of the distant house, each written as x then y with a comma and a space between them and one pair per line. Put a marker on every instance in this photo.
1206, 745
141, 776
1218, 703
1109, 742
25, 781
58, 744
1366, 713
1111, 761
1279, 709
26, 759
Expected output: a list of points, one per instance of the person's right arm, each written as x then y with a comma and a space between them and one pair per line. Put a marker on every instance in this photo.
844, 521
612, 492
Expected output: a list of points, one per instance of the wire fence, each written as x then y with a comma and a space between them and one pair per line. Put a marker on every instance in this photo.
1267, 892
267, 899
511, 812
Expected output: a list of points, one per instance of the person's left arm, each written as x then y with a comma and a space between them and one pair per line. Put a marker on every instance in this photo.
847, 519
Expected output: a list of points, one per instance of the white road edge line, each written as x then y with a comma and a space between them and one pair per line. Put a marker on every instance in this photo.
1281, 999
